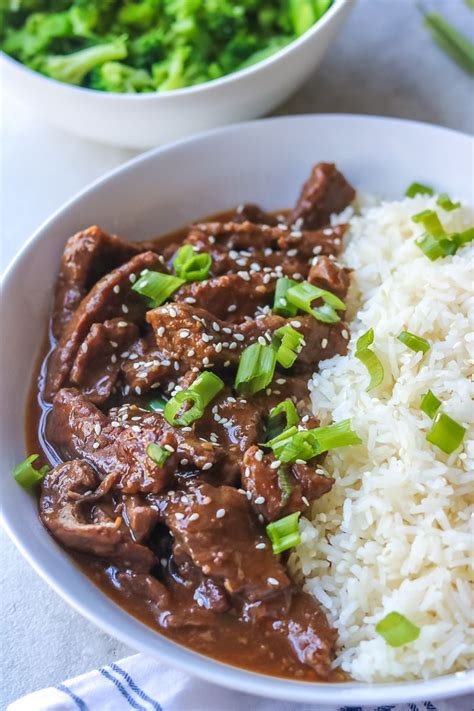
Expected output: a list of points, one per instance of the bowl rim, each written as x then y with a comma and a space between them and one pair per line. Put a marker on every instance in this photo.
336, 7
194, 663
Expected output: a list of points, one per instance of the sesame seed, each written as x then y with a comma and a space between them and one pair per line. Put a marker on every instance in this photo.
281, 381
272, 581
239, 336
160, 331
190, 300
84, 348
179, 515
275, 464
96, 445
123, 324
260, 518
344, 334
133, 278
259, 455
324, 343
300, 461
97, 428
295, 323
218, 347
216, 326
194, 517
317, 249
207, 465
191, 353
138, 390
163, 562
260, 500
328, 231
206, 338
292, 252
169, 448
113, 358
244, 275
115, 423
296, 233
125, 308
172, 312
305, 500
260, 546
231, 308
184, 333
262, 341
305, 418
220, 513
184, 462
205, 360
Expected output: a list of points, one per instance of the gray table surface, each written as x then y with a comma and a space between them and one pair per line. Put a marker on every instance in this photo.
384, 63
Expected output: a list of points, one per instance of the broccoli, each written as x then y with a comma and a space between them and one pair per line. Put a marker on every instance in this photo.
168, 44
119, 77
73, 68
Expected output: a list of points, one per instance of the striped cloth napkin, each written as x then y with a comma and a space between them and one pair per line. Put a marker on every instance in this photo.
144, 684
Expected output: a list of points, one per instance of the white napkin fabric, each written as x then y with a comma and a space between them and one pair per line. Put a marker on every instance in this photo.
144, 684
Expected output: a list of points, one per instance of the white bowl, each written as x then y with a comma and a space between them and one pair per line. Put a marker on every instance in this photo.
144, 120
264, 162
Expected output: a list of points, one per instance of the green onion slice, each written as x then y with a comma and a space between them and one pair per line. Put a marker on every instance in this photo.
157, 453
431, 222
397, 630
445, 203
446, 433
256, 368
284, 533
416, 343
281, 418
457, 45
199, 394
430, 404
157, 404
339, 434
26, 475
293, 444
461, 238
371, 361
191, 265
302, 296
285, 485
287, 343
281, 305
418, 189
157, 287
435, 248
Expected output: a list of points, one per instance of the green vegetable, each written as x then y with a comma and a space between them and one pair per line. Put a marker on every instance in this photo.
281, 305
430, 221
453, 42
199, 394
256, 368
284, 533
445, 202
293, 444
397, 630
26, 475
430, 404
157, 404
446, 433
416, 343
168, 44
157, 287
436, 242
285, 485
371, 361
287, 343
191, 265
304, 294
282, 417
418, 189
157, 453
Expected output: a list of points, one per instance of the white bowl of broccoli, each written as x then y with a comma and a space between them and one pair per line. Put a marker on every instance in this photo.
142, 72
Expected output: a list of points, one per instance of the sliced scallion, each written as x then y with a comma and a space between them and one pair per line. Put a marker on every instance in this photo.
446, 433
157, 287
199, 395
304, 294
157, 453
281, 418
397, 630
191, 265
285, 485
435, 248
281, 305
418, 189
414, 342
157, 404
256, 368
371, 361
287, 343
26, 475
430, 404
445, 202
293, 444
431, 222
340, 434
284, 533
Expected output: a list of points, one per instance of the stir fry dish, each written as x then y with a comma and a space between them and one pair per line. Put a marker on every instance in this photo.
175, 426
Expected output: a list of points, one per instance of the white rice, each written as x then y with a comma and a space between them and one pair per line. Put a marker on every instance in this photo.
394, 533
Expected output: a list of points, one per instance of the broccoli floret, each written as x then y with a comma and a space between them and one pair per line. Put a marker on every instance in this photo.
140, 15
170, 74
119, 77
36, 35
72, 68
148, 49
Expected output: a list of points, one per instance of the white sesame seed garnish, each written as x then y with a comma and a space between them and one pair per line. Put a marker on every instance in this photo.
317, 249
262, 341
344, 334
179, 516
138, 390
194, 517
172, 312
220, 513
133, 278
305, 500
190, 300
207, 465
259, 455
216, 326
169, 448
260, 546
305, 418
292, 252
84, 348
296, 324
184, 462
260, 500
218, 347
275, 464
205, 360
96, 445
206, 338
272, 581
184, 333
125, 308
113, 358
296, 233
324, 343
300, 461
231, 307
115, 423
123, 324
97, 428
239, 336
160, 331
244, 275
191, 353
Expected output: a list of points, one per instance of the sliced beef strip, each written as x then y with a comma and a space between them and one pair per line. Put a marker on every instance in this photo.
76, 428
230, 296
249, 212
267, 489
139, 517
207, 593
98, 362
325, 192
216, 528
88, 255
111, 297
326, 273
90, 530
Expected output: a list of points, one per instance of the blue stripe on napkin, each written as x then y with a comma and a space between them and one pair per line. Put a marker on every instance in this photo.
134, 687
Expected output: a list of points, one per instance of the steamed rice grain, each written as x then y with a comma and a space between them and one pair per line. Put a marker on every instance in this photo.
395, 532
